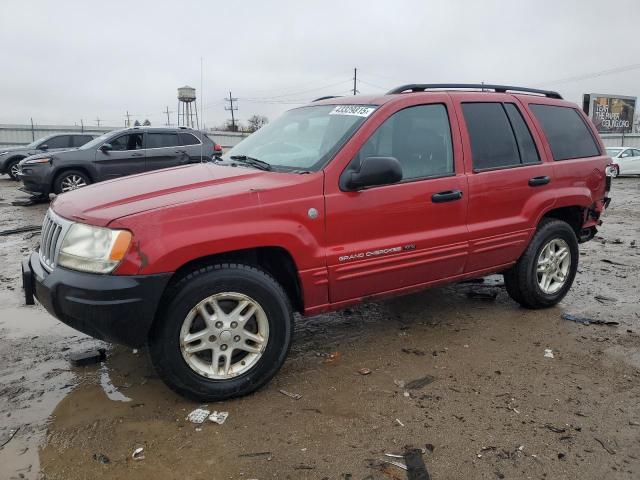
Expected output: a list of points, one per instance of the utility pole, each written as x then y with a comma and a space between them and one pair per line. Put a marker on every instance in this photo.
81, 126
168, 118
355, 79
98, 120
33, 133
128, 115
231, 109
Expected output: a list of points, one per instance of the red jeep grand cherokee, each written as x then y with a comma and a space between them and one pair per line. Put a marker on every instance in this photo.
343, 200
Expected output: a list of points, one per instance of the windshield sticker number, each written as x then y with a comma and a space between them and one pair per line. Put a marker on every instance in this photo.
355, 110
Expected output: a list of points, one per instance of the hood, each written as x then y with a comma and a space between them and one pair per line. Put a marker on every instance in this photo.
11, 149
101, 203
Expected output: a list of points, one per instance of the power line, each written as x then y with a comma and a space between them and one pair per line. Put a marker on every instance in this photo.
302, 91
587, 76
98, 120
168, 118
128, 122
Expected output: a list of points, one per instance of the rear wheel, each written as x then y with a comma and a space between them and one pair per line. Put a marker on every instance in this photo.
70, 180
545, 272
12, 169
226, 332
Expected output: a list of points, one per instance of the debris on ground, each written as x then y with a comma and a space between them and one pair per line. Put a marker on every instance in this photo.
555, 429
395, 463
218, 417
609, 450
255, 454
11, 435
295, 396
482, 295
605, 299
199, 415
429, 447
332, 357
138, 454
79, 359
414, 351
364, 371
101, 458
13, 231
612, 262
419, 383
548, 353
416, 469
399, 422
588, 321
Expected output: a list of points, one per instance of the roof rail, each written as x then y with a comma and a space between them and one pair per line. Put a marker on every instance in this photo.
326, 98
421, 87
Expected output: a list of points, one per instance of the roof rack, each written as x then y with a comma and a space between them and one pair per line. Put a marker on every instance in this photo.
326, 98
421, 87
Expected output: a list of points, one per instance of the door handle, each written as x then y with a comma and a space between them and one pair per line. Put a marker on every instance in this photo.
448, 196
180, 151
537, 181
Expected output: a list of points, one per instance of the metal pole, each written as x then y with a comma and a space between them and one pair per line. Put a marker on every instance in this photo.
33, 133
81, 126
355, 77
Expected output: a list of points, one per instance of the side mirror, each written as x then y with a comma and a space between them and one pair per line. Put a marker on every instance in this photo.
105, 147
44, 146
374, 171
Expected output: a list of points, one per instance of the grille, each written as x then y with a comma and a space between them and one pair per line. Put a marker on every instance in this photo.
53, 228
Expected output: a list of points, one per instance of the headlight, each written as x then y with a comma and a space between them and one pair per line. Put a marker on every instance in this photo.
93, 249
37, 160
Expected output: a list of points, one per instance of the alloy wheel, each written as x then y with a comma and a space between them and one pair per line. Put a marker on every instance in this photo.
72, 182
553, 266
224, 335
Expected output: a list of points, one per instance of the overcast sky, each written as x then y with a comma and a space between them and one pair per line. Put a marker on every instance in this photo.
62, 61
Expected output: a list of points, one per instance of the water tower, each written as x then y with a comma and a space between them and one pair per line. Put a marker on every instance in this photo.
187, 107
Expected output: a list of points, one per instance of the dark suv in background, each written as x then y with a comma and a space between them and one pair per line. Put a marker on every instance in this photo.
115, 154
10, 157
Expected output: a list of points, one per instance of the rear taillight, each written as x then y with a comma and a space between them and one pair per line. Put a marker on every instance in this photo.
217, 148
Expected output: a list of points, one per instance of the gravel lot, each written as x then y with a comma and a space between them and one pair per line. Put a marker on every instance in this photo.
490, 404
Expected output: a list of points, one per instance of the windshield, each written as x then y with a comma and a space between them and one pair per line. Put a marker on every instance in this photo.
304, 138
613, 151
96, 141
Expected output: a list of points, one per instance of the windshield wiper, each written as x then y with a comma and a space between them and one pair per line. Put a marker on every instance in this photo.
254, 162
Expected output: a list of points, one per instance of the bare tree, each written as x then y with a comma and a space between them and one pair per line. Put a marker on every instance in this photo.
256, 122
146, 123
136, 124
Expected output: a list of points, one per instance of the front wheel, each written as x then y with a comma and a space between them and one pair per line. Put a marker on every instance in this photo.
12, 169
70, 180
226, 332
545, 272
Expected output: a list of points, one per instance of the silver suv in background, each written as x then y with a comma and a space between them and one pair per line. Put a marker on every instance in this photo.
10, 157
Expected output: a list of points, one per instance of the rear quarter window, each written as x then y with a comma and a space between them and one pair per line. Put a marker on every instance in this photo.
567, 133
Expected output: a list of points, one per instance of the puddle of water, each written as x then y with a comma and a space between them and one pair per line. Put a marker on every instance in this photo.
29, 321
109, 388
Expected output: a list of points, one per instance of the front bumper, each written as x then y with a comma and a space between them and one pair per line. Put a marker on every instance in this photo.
118, 309
34, 181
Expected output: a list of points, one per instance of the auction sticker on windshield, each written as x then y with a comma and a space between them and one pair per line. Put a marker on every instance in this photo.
356, 110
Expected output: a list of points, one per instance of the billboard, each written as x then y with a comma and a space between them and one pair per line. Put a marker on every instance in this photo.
610, 113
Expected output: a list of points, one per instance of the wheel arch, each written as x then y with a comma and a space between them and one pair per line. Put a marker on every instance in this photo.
65, 168
275, 260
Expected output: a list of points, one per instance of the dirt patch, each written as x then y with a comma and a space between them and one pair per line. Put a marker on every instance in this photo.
462, 377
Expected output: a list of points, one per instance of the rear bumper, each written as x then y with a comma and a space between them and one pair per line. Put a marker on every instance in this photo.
114, 308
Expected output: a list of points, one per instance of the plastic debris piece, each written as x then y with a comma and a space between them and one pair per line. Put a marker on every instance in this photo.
364, 371
332, 357
80, 359
588, 321
295, 396
199, 415
399, 422
393, 455
218, 417
101, 458
419, 383
548, 353
416, 469
138, 454
396, 464
604, 299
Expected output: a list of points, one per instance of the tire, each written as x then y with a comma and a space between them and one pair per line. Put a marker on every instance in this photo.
189, 374
70, 180
12, 169
526, 282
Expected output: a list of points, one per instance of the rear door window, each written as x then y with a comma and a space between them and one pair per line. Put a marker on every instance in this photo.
526, 145
567, 133
79, 140
493, 143
132, 141
162, 140
61, 141
188, 139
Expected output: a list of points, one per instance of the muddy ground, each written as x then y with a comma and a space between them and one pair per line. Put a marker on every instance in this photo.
491, 405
